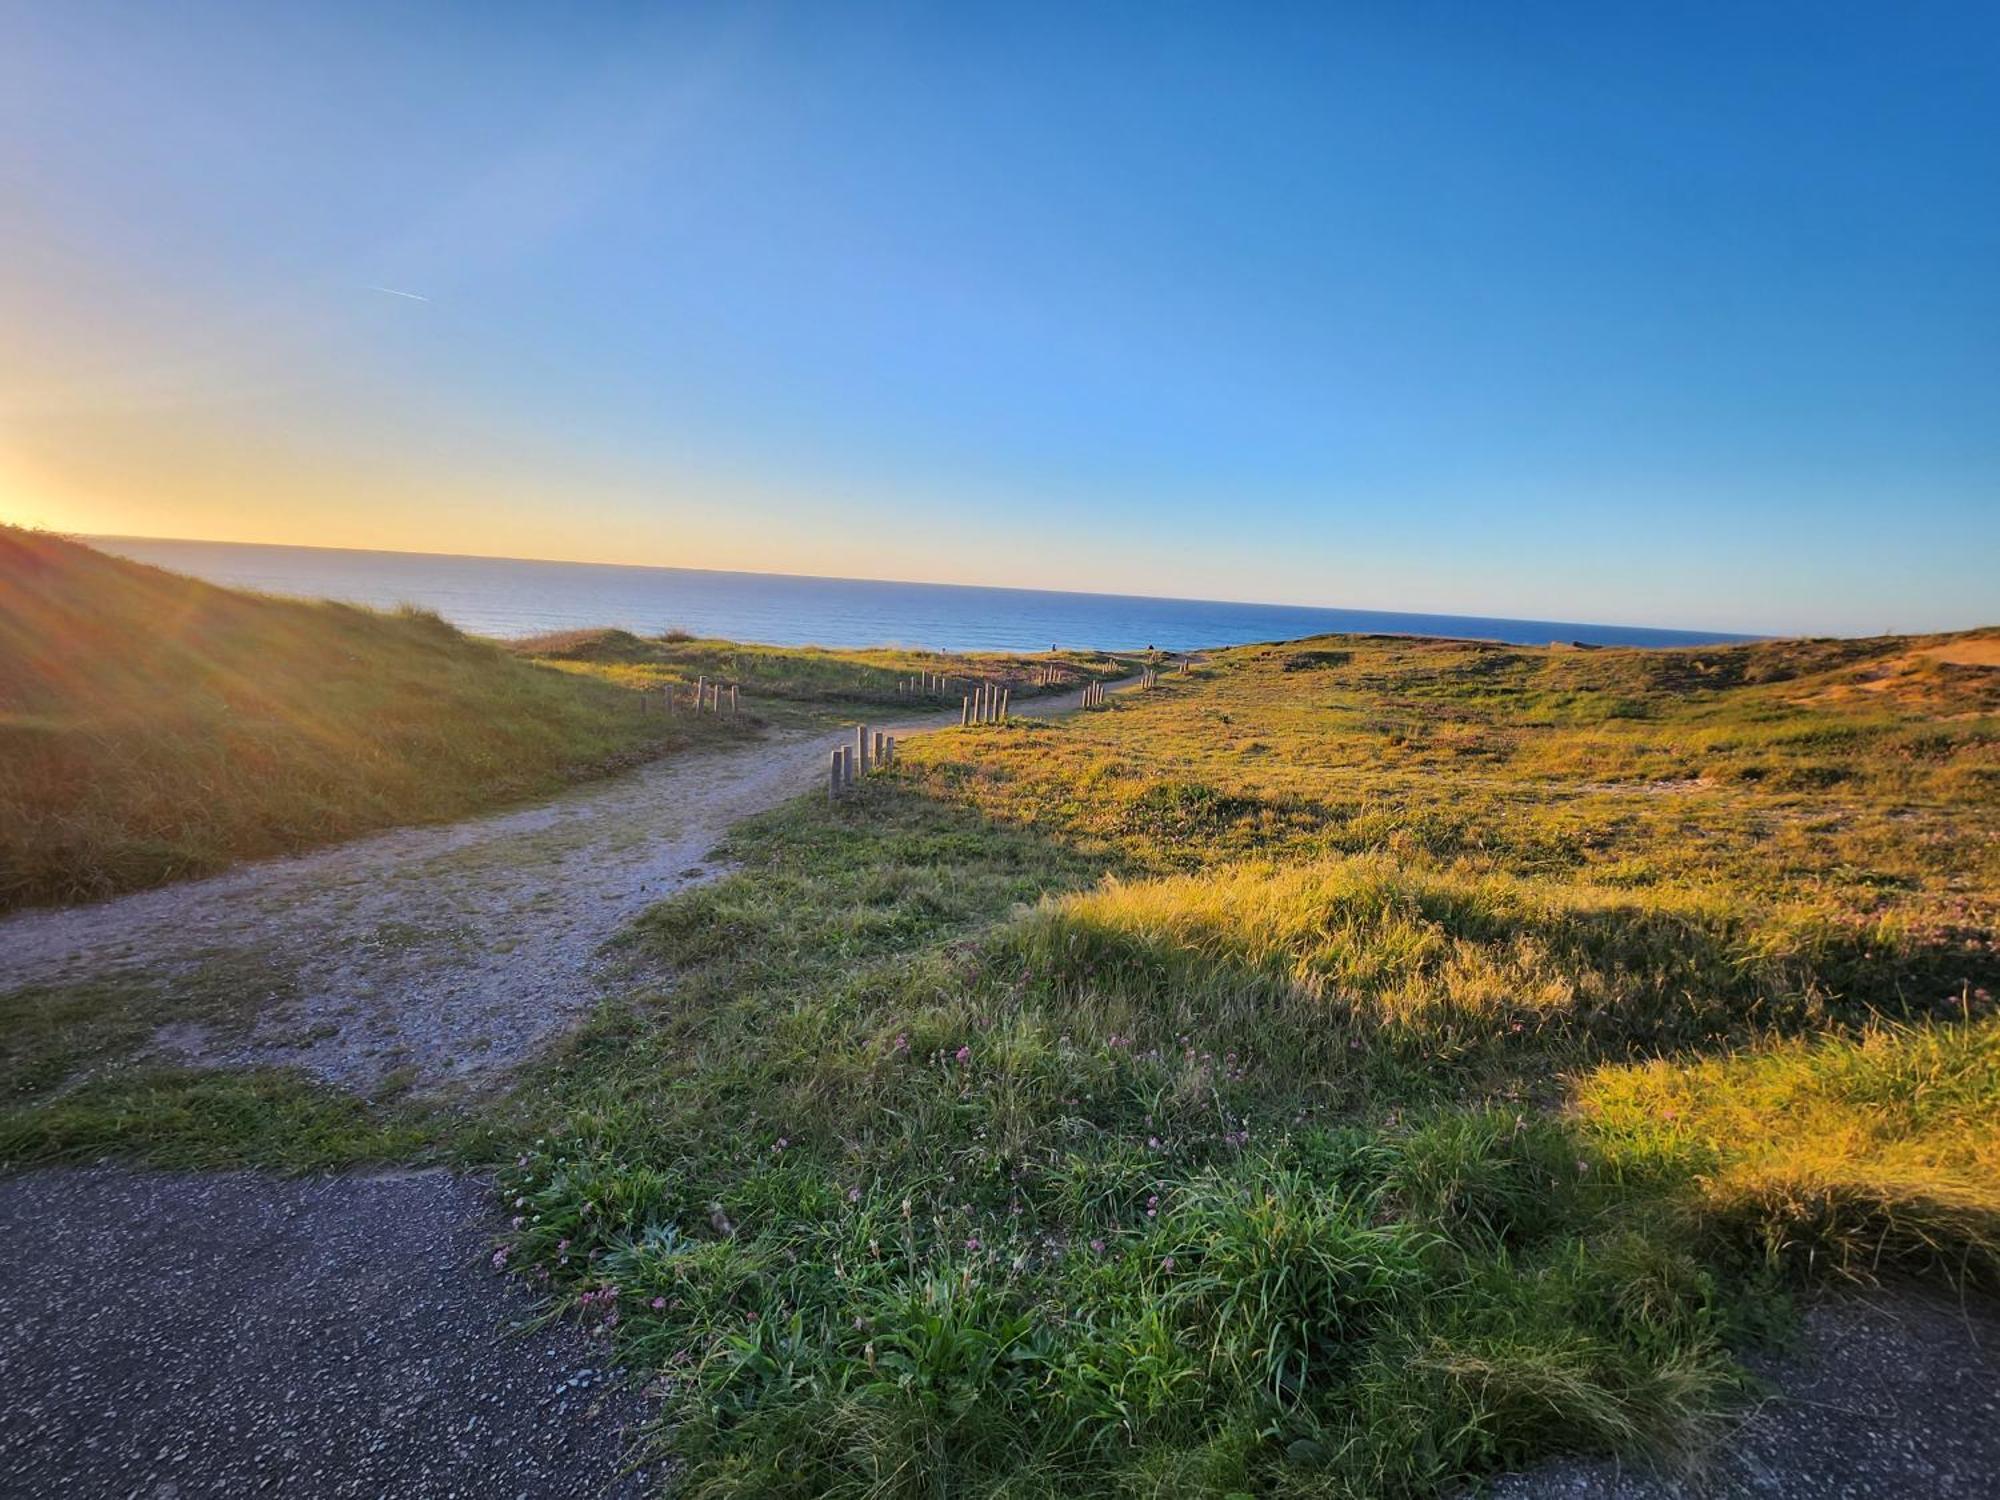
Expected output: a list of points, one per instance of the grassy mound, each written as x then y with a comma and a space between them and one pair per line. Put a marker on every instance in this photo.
807, 674
1345, 1072
154, 727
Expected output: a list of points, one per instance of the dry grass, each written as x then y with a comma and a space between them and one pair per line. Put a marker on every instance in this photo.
154, 727
1405, 1060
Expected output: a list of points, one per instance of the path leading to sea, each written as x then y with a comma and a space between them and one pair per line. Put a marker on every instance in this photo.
182, 1335
440, 956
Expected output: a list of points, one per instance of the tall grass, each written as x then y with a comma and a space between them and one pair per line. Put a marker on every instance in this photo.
1343, 1073
154, 727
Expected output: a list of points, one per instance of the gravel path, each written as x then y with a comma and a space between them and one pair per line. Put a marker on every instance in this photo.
184, 1336
1891, 1396
443, 954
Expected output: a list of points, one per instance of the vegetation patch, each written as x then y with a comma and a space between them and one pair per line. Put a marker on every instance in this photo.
153, 727
1093, 1108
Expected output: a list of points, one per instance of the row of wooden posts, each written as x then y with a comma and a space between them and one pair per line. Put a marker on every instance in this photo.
927, 685
1046, 676
871, 750
708, 697
1093, 695
985, 704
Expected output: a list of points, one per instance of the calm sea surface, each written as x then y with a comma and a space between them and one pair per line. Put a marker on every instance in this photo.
502, 597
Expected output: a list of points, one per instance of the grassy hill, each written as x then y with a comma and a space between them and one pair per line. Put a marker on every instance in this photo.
1356, 1068
154, 727
806, 674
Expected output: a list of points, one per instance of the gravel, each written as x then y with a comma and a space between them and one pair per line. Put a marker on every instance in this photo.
1892, 1396
169, 1335
442, 956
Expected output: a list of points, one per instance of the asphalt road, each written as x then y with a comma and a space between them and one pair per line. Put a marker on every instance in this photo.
168, 1336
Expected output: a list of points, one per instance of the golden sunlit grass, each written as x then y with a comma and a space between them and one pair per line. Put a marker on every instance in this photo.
154, 727
1360, 1067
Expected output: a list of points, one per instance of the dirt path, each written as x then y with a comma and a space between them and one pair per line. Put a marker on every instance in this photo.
442, 955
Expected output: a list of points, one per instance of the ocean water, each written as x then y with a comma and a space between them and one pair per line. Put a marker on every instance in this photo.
511, 598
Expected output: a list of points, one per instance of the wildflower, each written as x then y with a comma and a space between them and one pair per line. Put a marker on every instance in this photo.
517, 1221
1167, 1264
500, 1259
1098, 1246
1152, 1143
972, 1242
902, 1044
783, 1141
659, 1304
964, 1055
854, 1195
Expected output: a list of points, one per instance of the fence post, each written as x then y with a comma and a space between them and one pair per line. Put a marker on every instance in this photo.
964, 712
833, 775
889, 751
1005, 695
735, 708
861, 749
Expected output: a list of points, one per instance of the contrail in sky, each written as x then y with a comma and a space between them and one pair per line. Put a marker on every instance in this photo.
394, 293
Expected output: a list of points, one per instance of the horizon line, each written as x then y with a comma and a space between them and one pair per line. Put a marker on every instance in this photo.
1717, 635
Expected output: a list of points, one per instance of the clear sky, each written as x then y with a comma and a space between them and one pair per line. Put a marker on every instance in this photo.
1655, 314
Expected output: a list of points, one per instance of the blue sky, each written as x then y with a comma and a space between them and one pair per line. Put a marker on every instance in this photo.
1670, 315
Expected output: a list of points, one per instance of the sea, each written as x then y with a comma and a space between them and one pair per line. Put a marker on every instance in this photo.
511, 598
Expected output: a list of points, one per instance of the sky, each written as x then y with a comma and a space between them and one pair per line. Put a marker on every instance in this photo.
1678, 315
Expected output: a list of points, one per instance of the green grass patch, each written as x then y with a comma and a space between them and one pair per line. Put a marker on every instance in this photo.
1095, 1107
187, 1119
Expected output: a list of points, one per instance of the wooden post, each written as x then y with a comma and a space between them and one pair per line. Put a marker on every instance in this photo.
833, 776
964, 713
879, 737
889, 751
861, 749
735, 708
1005, 694
701, 693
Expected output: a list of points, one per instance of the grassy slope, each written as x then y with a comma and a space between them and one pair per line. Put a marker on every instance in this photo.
154, 727
1420, 1058
805, 674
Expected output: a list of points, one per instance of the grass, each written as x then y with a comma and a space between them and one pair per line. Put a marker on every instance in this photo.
1354, 1069
154, 727
806, 675
1350, 1070
186, 1119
